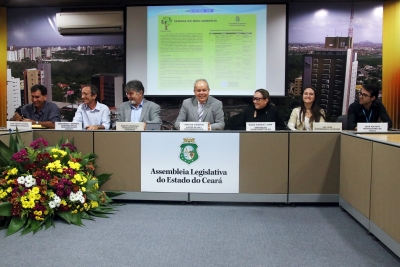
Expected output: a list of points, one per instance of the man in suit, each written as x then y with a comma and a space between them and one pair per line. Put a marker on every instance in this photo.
202, 108
138, 109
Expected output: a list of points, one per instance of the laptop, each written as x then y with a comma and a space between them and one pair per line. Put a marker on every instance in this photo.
153, 126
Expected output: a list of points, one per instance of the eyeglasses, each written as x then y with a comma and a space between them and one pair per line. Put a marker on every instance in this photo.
364, 95
257, 98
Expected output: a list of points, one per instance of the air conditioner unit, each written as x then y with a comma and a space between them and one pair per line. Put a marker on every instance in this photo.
90, 22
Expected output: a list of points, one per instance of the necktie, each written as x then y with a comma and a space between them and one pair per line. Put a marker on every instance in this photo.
200, 111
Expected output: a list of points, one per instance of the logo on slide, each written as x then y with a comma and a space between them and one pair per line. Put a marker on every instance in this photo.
237, 19
189, 151
166, 21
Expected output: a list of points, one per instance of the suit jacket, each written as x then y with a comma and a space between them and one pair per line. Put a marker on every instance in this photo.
212, 113
150, 112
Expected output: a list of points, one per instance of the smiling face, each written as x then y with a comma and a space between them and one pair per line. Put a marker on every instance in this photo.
38, 99
308, 96
87, 96
259, 100
201, 91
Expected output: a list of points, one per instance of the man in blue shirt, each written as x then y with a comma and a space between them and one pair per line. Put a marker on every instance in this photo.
93, 115
39, 112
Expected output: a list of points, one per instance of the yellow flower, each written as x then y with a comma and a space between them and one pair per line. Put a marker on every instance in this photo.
94, 204
13, 171
74, 165
96, 186
35, 190
54, 166
39, 218
73, 180
46, 212
82, 188
9, 189
63, 202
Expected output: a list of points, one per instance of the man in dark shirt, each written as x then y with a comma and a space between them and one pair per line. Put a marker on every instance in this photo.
367, 109
39, 112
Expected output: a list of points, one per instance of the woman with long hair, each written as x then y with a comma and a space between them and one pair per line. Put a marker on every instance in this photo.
303, 117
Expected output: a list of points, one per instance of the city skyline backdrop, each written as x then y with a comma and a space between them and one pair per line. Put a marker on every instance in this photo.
308, 22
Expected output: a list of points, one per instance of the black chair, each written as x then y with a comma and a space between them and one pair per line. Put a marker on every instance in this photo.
343, 120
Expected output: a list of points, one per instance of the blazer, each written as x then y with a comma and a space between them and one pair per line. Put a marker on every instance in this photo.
295, 123
150, 112
213, 113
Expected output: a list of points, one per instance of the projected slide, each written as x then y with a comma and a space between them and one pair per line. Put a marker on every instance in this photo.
227, 45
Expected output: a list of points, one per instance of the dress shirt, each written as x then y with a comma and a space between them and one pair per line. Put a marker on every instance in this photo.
49, 112
100, 115
136, 112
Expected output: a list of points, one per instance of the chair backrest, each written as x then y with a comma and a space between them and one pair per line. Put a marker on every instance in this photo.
343, 120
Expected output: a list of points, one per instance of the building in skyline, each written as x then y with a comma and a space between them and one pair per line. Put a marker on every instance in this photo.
110, 87
41, 75
13, 94
333, 72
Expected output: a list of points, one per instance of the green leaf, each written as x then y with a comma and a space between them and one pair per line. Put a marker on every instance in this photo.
114, 193
76, 219
66, 216
20, 143
27, 227
36, 226
103, 178
5, 209
85, 216
61, 141
15, 225
48, 222
5, 154
92, 196
13, 143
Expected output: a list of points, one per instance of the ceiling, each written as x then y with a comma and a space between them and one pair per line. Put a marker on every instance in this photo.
120, 3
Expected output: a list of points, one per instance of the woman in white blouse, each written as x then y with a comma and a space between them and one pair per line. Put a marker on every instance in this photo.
302, 117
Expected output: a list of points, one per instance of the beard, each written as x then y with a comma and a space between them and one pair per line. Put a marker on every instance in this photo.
132, 102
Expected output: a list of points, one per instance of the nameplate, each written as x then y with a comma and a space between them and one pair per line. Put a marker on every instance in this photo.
68, 126
260, 126
327, 126
193, 126
21, 125
129, 126
372, 127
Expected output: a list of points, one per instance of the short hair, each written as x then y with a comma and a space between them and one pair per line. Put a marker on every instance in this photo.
264, 93
372, 89
39, 87
93, 89
134, 85
201, 80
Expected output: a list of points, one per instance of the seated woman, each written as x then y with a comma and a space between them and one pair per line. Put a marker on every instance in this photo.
302, 117
261, 111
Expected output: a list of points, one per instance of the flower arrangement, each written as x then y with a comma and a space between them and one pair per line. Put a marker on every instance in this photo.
38, 183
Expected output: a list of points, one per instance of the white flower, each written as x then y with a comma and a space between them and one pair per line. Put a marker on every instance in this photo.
29, 181
21, 180
52, 205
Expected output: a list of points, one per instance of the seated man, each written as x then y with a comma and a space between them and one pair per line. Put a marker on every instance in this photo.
367, 109
138, 109
39, 112
202, 108
93, 115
